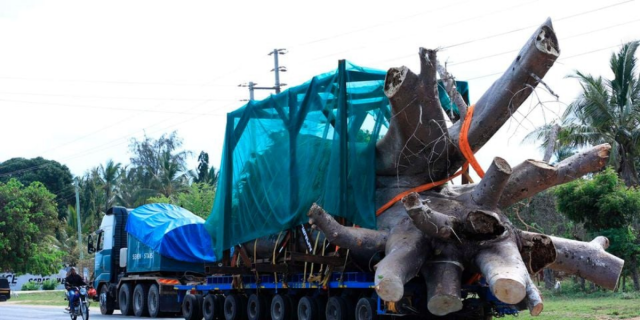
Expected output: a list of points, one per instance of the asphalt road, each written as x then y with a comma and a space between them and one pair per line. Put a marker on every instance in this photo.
15, 311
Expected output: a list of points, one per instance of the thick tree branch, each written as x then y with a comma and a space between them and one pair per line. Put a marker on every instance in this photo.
504, 270
531, 176
443, 278
505, 96
487, 193
533, 299
588, 260
537, 250
417, 127
365, 241
432, 223
405, 252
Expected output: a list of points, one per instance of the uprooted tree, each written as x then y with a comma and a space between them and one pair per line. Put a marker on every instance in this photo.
443, 231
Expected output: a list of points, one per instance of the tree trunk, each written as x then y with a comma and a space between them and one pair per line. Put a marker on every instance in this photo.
442, 231
549, 279
634, 274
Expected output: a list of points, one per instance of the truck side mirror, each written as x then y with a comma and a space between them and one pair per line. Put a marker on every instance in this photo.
90, 247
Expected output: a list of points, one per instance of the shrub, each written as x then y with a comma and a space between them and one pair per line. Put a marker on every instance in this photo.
30, 286
50, 284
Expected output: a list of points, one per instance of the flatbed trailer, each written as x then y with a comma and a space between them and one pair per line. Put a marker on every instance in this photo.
337, 296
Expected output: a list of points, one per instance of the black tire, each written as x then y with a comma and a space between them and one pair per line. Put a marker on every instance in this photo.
321, 302
281, 307
106, 303
257, 307
124, 300
191, 309
153, 301
140, 300
212, 305
367, 309
235, 307
336, 309
308, 309
84, 311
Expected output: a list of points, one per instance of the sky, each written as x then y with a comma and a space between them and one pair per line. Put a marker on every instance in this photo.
80, 79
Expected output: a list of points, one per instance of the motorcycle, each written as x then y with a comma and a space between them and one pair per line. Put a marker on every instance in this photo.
81, 302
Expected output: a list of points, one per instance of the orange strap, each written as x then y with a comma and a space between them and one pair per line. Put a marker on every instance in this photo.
466, 152
464, 143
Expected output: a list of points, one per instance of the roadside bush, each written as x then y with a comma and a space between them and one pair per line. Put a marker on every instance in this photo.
50, 284
30, 286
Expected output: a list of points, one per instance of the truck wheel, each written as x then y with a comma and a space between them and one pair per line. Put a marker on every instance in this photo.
281, 308
336, 309
124, 299
235, 307
367, 309
140, 300
308, 309
106, 302
257, 307
153, 301
191, 309
212, 305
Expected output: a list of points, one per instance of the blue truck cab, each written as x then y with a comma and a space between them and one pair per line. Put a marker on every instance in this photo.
135, 268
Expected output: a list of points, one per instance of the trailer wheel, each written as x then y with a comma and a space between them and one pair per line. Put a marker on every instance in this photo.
367, 309
153, 301
281, 307
235, 306
191, 309
308, 309
257, 307
336, 309
124, 300
212, 307
140, 300
106, 303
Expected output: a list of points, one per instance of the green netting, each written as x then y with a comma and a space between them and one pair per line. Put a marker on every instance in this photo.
311, 143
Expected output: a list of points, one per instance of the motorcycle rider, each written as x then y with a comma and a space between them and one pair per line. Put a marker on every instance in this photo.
72, 281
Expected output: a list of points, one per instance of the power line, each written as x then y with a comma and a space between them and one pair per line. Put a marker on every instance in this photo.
377, 25
114, 82
559, 59
535, 25
561, 39
463, 43
104, 97
114, 108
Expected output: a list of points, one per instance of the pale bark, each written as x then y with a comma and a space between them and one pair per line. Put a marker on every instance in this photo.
450, 86
531, 176
488, 191
588, 260
443, 286
365, 241
504, 271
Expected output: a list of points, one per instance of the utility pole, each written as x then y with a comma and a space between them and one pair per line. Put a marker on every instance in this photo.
277, 69
79, 225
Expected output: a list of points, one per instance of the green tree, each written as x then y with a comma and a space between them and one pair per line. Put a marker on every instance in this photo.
606, 206
205, 173
28, 223
609, 111
158, 163
55, 176
197, 199
110, 173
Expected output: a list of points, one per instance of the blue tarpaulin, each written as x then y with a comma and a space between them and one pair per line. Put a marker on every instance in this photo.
172, 231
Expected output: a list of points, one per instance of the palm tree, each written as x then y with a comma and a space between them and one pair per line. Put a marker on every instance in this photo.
109, 175
606, 111
609, 111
